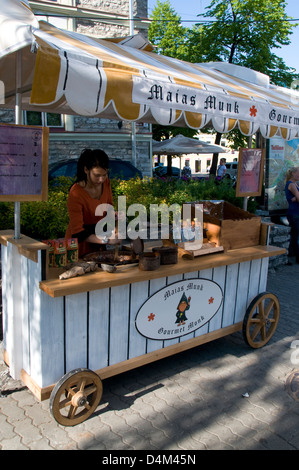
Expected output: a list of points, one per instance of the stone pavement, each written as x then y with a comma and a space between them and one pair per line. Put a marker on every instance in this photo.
188, 402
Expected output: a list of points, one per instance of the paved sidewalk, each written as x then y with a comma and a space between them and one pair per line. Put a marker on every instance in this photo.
192, 401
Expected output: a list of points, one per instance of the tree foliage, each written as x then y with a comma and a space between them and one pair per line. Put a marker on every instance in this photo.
242, 32
166, 32
246, 32
170, 38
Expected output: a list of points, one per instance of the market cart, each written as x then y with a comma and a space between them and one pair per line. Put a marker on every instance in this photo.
62, 338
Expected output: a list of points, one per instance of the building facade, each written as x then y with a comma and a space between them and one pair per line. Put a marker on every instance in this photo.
69, 135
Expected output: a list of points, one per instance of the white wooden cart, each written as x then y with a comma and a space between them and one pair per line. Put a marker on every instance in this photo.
63, 337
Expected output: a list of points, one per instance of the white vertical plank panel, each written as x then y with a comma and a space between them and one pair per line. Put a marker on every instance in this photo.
174, 278
254, 279
52, 339
264, 275
4, 296
191, 275
219, 276
155, 285
46, 330
75, 331
36, 334
204, 274
98, 329
25, 314
230, 295
242, 291
14, 312
119, 323
137, 342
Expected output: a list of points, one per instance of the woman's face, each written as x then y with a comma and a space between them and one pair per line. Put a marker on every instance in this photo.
96, 175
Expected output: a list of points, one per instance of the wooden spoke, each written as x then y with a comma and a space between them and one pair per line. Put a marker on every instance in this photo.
261, 319
75, 397
65, 403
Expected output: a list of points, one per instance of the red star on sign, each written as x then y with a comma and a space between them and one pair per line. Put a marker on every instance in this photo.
211, 300
253, 111
151, 317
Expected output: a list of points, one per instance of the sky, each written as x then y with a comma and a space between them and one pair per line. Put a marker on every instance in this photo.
189, 9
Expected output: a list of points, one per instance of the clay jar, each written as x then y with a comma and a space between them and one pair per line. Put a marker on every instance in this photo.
149, 261
169, 255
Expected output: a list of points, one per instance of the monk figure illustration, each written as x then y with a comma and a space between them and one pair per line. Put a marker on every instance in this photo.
181, 309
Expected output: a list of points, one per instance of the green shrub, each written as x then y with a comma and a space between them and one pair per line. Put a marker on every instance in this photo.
48, 219
6, 215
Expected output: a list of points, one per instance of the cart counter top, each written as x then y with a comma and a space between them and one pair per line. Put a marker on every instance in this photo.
101, 280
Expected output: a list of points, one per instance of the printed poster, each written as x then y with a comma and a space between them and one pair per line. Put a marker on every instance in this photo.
250, 172
23, 163
282, 155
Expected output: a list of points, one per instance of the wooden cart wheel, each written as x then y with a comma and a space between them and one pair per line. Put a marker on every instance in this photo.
75, 397
261, 320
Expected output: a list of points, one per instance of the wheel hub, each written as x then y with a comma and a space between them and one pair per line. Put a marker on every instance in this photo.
79, 399
265, 322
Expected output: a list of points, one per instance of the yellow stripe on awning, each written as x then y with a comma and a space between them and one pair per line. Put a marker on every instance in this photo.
193, 120
46, 77
119, 90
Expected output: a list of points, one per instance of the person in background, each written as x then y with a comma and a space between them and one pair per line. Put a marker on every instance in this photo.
186, 171
221, 168
292, 196
91, 188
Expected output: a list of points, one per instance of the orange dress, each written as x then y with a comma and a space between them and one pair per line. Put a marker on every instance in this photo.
82, 219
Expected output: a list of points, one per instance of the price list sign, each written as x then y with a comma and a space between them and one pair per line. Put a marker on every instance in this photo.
23, 163
250, 172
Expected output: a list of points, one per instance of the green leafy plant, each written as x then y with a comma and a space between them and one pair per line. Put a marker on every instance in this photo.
49, 219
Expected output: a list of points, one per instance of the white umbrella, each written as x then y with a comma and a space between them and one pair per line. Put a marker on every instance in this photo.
181, 145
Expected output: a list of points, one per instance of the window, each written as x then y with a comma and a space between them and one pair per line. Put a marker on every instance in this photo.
54, 120
197, 166
35, 118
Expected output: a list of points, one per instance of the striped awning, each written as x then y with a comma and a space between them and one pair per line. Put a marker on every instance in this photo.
74, 74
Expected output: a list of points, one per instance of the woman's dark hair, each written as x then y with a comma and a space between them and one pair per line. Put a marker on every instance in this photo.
90, 159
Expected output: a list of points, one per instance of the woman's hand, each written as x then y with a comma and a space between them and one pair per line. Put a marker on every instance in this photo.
114, 240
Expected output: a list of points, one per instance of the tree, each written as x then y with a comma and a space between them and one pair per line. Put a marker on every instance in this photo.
166, 31
245, 32
170, 39
242, 32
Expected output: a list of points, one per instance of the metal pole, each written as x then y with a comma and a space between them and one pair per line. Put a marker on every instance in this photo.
131, 19
131, 22
245, 200
18, 120
151, 149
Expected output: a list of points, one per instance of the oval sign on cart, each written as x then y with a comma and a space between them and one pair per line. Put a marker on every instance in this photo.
179, 309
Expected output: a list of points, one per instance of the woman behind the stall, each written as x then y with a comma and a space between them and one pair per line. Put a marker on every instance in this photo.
292, 195
91, 188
